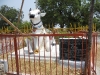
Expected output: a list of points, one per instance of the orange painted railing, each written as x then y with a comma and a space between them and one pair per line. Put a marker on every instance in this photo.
61, 60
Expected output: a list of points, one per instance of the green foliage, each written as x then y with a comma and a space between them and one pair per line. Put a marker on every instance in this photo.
59, 11
64, 12
10, 13
97, 14
23, 26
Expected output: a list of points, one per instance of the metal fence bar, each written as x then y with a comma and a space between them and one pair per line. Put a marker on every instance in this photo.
35, 65
75, 55
16, 55
68, 55
29, 60
19, 55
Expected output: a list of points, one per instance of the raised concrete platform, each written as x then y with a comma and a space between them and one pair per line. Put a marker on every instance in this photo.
41, 55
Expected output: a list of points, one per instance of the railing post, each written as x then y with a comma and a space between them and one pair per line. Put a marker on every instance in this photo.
16, 55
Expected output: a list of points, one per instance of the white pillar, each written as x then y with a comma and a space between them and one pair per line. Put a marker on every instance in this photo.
3, 66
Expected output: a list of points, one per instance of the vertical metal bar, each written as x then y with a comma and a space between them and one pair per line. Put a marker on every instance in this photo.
86, 69
29, 58
16, 55
96, 50
44, 57
91, 65
90, 62
62, 54
24, 60
68, 54
75, 53
93, 52
39, 59
3, 48
50, 60
34, 62
82, 55
19, 53
56, 57
11, 53
7, 45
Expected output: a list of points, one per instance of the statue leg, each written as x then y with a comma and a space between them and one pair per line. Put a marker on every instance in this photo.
29, 44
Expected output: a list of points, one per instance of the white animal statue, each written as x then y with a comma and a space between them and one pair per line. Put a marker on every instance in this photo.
39, 43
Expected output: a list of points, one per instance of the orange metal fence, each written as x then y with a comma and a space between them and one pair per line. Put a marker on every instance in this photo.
67, 56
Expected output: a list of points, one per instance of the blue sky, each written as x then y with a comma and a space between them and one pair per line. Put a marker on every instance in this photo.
17, 4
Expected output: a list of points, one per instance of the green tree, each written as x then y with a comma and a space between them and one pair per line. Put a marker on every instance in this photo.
10, 13
90, 23
64, 12
97, 14
24, 26
84, 11
85, 7
60, 11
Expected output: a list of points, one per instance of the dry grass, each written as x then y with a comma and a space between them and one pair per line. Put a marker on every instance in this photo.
43, 67
98, 52
98, 55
